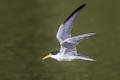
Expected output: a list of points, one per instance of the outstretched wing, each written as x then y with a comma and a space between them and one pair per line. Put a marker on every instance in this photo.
74, 41
68, 46
64, 31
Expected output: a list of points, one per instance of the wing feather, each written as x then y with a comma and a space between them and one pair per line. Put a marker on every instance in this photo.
64, 31
68, 46
73, 41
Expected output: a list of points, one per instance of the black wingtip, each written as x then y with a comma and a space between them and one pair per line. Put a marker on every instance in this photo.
78, 9
82, 6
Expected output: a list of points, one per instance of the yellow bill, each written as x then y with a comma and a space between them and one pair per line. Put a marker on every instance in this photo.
46, 57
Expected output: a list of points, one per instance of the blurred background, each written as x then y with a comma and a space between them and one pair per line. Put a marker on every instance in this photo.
28, 33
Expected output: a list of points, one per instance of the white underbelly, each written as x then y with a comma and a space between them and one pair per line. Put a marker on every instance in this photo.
71, 58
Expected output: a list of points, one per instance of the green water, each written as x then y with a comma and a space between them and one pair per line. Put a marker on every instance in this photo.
27, 33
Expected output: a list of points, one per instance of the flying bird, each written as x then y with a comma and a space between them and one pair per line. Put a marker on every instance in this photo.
68, 51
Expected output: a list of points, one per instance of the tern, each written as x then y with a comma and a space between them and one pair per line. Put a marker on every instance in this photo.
68, 51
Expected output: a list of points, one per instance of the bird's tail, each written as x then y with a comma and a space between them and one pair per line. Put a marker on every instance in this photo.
85, 58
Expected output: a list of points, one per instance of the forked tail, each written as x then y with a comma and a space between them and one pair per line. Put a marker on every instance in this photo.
85, 58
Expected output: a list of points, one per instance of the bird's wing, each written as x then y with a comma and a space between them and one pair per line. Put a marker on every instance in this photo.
68, 50
64, 31
68, 46
73, 41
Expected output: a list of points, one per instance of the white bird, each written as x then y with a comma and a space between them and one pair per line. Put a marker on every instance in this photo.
68, 51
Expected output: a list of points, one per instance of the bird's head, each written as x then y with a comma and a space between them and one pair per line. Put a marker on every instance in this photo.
51, 55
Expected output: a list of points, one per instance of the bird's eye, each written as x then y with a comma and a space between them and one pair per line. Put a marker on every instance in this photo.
54, 53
